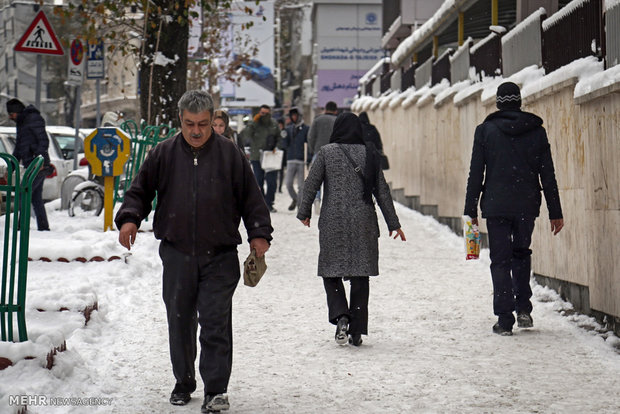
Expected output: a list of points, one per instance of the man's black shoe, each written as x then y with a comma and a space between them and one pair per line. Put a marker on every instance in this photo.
524, 320
501, 331
180, 398
355, 339
215, 403
341, 330
292, 206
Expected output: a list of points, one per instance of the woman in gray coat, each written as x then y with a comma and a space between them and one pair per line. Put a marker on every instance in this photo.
348, 229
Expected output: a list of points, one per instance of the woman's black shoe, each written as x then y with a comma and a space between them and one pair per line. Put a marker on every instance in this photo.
355, 339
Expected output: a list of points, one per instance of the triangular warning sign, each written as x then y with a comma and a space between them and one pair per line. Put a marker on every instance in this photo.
39, 38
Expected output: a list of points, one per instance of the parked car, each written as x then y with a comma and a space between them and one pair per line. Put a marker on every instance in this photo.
61, 167
65, 138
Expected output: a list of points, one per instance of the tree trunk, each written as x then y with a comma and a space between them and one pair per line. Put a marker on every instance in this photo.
161, 85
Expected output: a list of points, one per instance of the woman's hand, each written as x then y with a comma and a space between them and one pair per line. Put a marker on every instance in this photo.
400, 233
306, 222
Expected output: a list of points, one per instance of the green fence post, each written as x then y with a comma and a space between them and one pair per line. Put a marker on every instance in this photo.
18, 214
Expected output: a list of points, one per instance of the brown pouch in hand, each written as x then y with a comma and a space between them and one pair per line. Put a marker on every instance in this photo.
253, 269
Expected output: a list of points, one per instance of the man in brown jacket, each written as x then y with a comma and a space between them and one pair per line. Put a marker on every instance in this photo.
204, 186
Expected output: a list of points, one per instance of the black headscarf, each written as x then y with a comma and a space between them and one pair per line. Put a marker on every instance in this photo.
348, 130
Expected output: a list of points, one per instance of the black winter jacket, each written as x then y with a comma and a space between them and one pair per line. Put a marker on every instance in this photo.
200, 199
32, 140
511, 152
296, 137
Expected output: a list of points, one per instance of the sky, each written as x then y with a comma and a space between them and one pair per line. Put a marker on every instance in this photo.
430, 348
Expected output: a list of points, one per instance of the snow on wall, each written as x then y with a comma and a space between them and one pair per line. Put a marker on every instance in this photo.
563, 12
610, 4
408, 45
374, 70
518, 29
597, 80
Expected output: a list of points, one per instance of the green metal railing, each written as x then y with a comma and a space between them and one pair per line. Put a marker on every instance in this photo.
142, 140
15, 248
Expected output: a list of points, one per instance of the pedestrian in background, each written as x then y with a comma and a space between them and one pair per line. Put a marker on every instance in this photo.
221, 125
264, 135
32, 141
294, 145
318, 135
511, 158
371, 134
282, 171
348, 227
204, 187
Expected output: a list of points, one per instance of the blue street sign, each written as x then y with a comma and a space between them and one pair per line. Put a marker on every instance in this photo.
95, 68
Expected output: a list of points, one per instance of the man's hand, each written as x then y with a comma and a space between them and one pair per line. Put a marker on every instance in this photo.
306, 222
474, 221
260, 245
127, 235
399, 232
556, 225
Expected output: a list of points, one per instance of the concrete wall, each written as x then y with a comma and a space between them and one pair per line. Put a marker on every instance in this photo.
429, 147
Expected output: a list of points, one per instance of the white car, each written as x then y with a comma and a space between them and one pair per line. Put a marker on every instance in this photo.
65, 138
61, 167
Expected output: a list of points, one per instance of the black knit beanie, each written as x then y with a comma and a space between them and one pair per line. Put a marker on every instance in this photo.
14, 106
508, 97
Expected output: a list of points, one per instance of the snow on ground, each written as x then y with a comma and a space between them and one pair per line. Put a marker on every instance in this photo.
430, 348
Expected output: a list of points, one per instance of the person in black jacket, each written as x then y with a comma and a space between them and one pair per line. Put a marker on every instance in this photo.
512, 155
204, 186
32, 141
294, 144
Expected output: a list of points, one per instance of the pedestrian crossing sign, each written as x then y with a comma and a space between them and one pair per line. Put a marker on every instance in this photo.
39, 38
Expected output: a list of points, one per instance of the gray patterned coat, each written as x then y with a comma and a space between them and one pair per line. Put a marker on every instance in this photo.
348, 227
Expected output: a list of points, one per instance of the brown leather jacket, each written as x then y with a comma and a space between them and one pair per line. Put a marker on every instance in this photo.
200, 198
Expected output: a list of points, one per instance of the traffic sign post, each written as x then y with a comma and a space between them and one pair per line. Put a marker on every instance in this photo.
107, 150
76, 63
39, 38
95, 69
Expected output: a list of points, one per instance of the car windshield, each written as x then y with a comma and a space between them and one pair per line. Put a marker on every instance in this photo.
67, 144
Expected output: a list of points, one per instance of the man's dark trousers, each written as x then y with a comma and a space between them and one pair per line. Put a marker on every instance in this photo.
37, 201
272, 181
356, 310
199, 290
511, 263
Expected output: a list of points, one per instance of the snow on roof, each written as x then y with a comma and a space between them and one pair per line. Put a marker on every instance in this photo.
525, 23
563, 12
407, 47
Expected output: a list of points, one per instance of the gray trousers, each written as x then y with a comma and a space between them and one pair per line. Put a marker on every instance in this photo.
198, 290
295, 169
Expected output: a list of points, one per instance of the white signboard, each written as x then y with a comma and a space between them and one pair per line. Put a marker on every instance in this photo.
260, 87
75, 72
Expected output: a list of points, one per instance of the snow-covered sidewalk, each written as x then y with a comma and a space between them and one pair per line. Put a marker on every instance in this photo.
430, 347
